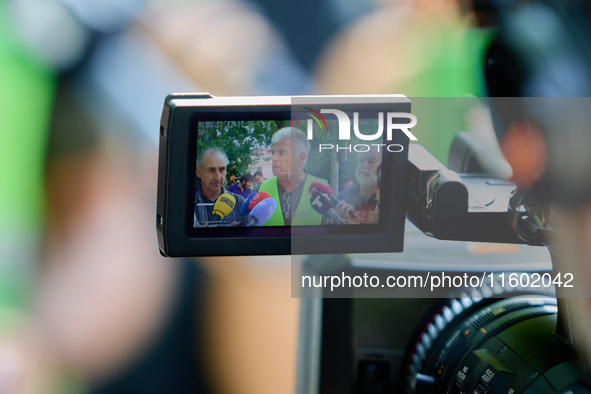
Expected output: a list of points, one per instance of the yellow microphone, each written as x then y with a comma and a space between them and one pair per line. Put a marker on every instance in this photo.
224, 205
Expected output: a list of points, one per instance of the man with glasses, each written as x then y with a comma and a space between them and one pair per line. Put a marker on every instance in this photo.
290, 185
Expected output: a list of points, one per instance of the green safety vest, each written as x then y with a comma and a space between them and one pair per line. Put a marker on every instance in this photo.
304, 215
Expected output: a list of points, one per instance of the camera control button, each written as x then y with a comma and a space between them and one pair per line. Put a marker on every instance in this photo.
422, 381
480, 389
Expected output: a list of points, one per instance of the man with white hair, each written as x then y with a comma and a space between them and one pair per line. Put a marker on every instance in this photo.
290, 184
362, 196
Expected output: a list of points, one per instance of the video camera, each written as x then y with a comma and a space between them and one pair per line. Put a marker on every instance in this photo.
489, 338
240, 131
302, 145
476, 315
456, 339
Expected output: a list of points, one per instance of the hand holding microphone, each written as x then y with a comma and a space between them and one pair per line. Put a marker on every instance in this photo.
322, 204
326, 189
343, 208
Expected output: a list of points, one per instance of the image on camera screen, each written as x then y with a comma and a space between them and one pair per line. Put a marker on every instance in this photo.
285, 173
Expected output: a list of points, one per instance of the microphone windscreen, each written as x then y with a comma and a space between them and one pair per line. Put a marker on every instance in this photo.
320, 188
320, 203
264, 210
257, 198
224, 205
245, 209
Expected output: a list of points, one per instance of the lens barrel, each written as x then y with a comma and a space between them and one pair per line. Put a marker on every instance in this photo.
493, 346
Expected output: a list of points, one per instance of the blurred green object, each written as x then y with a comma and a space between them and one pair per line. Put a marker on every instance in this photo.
444, 87
27, 89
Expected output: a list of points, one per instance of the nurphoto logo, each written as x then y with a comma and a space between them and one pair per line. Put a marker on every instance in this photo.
344, 123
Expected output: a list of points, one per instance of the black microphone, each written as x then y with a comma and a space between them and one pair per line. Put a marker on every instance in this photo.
321, 204
317, 186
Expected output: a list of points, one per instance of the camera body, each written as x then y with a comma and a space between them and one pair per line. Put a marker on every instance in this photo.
194, 124
487, 337
481, 336
364, 344
408, 341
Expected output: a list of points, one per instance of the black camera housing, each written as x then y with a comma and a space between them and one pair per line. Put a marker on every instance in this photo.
335, 353
176, 181
362, 340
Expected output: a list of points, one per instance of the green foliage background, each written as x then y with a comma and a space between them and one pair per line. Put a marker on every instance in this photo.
320, 163
239, 139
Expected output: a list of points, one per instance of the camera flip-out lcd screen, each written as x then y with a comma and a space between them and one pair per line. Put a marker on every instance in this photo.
276, 162
282, 175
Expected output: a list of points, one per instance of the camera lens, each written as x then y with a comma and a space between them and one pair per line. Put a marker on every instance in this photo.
493, 346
